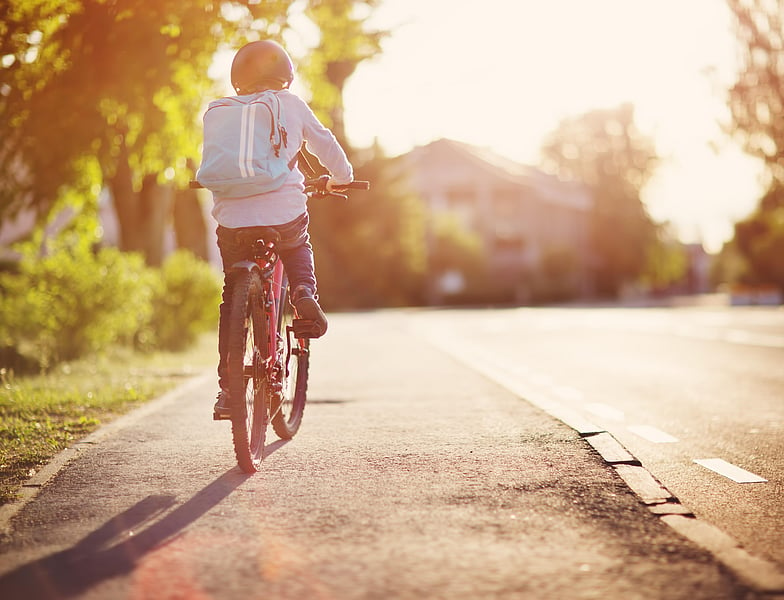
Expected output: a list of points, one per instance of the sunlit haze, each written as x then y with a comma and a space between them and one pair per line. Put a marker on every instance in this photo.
503, 73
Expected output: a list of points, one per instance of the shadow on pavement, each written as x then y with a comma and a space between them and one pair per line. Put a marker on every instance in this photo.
328, 401
116, 547
274, 446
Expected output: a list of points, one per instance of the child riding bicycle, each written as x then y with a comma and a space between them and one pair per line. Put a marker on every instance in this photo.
257, 68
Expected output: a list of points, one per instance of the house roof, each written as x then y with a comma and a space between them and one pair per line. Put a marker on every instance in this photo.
548, 187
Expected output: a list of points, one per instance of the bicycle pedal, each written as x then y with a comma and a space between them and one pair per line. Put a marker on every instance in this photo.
219, 415
306, 328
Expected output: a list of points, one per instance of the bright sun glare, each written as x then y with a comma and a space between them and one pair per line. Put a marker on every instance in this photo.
503, 73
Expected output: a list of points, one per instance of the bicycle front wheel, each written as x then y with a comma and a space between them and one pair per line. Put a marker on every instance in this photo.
246, 370
288, 404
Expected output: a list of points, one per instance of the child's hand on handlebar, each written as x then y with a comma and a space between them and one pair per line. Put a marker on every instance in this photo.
324, 186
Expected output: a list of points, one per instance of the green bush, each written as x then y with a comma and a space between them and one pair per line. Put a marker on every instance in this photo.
70, 300
73, 300
184, 304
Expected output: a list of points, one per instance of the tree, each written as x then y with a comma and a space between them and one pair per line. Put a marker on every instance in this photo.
604, 150
124, 82
756, 100
29, 172
121, 81
668, 262
371, 250
345, 43
756, 103
760, 240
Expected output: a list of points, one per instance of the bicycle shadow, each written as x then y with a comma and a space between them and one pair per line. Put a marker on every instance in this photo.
273, 446
117, 546
328, 401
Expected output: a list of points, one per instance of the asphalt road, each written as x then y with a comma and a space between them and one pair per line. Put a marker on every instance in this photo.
674, 386
416, 474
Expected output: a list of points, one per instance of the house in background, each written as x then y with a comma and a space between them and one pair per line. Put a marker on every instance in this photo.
532, 227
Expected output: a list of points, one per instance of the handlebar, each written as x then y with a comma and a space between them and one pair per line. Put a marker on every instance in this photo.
316, 187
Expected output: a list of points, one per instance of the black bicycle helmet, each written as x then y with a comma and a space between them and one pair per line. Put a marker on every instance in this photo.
258, 64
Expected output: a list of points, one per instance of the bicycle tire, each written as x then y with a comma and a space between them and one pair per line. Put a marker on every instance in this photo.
247, 352
287, 405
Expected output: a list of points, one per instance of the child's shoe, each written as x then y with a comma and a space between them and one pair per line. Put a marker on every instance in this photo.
221, 409
307, 307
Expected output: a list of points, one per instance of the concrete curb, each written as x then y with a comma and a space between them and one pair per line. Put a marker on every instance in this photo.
35, 483
760, 574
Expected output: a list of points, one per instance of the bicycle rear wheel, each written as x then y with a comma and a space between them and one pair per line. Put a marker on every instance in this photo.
246, 362
288, 405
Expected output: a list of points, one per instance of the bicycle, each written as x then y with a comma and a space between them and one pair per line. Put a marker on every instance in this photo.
268, 345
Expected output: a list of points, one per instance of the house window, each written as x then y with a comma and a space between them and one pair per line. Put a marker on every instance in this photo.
509, 242
507, 223
461, 202
506, 203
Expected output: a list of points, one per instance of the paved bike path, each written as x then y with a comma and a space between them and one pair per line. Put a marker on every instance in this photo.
413, 477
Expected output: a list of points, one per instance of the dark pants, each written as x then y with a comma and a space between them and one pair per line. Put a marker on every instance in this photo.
236, 245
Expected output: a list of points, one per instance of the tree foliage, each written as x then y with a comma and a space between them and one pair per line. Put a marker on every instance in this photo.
668, 262
123, 81
604, 150
756, 103
345, 42
760, 240
118, 86
756, 100
371, 250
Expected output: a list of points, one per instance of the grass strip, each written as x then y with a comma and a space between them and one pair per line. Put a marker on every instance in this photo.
43, 414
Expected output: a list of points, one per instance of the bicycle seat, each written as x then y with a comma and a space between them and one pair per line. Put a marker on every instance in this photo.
259, 235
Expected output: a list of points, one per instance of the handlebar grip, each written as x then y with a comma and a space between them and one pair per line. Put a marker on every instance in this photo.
353, 185
356, 185
320, 184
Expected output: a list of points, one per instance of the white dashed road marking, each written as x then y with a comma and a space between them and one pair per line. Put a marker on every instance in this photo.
605, 411
730, 471
567, 393
652, 434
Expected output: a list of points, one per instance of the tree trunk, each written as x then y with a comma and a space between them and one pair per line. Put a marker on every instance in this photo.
154, 204
125, 204
190, 228
142, 217
337, 73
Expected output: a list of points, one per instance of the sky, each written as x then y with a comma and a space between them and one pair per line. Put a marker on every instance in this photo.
503, 74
